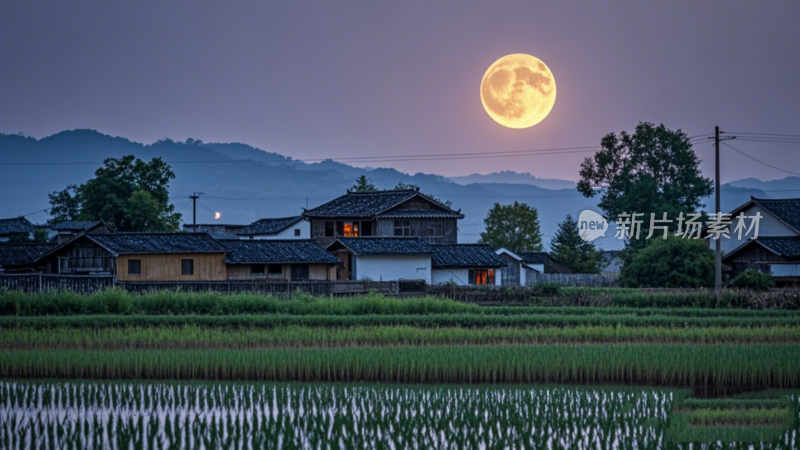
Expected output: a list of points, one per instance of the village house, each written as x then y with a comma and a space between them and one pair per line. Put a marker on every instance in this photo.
383, 258
216, 230
776, 249
466, 264
20, 257
392, 213
17, 228
279, 260
276, 228
64, 231
520, 265
139, 257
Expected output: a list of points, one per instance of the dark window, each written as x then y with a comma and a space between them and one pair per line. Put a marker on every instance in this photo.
134, 267
402, 228
481, 276
187, 267
366, 228
297, 231
340, 228
329, 227
299, 272
275, 269
257, 269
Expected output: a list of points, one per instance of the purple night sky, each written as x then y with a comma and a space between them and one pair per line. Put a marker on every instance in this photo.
338, 79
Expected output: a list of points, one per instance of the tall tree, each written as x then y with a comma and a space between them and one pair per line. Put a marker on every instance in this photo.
568, 247
515, 227
653, 170
363, 184
127, 193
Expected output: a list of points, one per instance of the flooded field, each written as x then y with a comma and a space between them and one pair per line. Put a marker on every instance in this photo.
53, 414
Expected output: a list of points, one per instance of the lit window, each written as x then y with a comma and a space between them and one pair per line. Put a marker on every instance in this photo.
350, 229
481, 276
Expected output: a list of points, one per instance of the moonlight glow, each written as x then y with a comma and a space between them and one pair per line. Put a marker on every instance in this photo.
217, 215
518, 91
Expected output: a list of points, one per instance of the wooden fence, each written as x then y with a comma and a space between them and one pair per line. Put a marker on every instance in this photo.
37, 282
85, 284
572, 279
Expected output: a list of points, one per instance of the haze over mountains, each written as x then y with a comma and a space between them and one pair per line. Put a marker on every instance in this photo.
245, 183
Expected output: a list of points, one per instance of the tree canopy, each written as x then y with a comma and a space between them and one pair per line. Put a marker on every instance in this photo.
515, 227
674, 262
653, 170
568, 248
126, 193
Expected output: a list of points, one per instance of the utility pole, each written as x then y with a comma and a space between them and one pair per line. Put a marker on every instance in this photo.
195, 196
718, 250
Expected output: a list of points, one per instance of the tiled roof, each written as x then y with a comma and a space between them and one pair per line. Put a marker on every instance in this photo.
17, 225
74, 225
259, 251
420, 214
535, 257
121, 243
373, 246
12, 254
269, 226
788, 247
465, 256
368, 204
787, 210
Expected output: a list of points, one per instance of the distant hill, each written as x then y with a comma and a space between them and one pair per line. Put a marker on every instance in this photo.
511, 177
245, 183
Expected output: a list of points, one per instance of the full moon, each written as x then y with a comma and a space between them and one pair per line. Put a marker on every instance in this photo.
518, 91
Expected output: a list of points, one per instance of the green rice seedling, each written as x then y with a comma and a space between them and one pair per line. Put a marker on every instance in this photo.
416, 320
292, 336
248, 415
715, 366
738, 417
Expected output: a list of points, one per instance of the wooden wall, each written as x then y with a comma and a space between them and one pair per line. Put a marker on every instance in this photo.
316, 272
420, 228
167, 267
511, 274
84, 257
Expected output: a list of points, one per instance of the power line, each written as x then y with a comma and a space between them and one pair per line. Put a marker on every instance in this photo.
742, 133
759, 161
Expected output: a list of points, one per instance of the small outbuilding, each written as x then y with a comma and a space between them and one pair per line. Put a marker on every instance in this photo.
20, 257
466, 264
286, 260
294, 227
383, 258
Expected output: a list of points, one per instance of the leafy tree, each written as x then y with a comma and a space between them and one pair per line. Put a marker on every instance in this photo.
402, 185
515, 227
674, 262
127, 193
653, 170
363, 184
568, 247
753, 279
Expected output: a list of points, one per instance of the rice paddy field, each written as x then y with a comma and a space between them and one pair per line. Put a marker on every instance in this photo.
242, 371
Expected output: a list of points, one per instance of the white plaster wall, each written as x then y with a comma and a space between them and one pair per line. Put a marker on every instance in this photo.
391, 268
305, 232
767, 226
498, 277
458, 276
784, 270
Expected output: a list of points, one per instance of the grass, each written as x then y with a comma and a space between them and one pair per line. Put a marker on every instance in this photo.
198, 337
118, 302
738, 417
718, 366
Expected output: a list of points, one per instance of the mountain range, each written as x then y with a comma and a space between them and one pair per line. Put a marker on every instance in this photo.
245, 183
